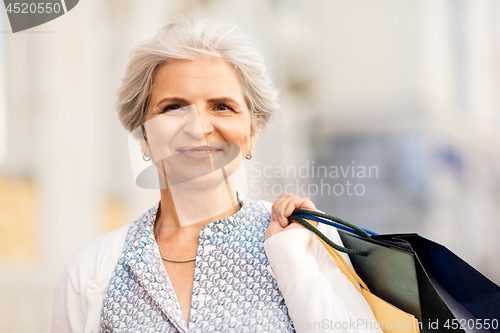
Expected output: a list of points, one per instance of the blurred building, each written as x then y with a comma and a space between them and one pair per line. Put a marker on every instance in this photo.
406, 90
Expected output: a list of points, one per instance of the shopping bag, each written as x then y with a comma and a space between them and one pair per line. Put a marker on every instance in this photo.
395, 274
393, 271
473, 299
390, 318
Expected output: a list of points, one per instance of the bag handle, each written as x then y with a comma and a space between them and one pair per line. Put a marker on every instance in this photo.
343, 265
323, 237
310, 213
335, 224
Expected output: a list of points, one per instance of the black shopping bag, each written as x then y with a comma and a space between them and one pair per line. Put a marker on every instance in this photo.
473, 299
458, 300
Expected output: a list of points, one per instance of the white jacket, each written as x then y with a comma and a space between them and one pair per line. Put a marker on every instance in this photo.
318, 295
80, 291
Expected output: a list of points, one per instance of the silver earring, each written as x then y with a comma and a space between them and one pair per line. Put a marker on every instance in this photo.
146, 159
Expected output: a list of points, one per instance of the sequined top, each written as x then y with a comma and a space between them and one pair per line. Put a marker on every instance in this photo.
232, 289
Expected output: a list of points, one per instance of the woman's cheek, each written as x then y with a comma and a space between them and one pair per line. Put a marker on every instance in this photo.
161, 140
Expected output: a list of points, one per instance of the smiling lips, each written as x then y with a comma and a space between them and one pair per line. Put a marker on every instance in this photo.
198, 152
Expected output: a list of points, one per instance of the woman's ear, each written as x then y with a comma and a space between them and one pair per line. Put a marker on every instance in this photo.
144, 135
144, 144
257, 122
254, 130
144, 148
253, 138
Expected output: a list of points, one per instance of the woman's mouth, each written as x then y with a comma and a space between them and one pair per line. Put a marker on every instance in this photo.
194, 151
199, 152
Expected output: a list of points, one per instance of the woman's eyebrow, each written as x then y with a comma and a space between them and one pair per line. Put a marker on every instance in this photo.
173, 100
216, 100
224, 100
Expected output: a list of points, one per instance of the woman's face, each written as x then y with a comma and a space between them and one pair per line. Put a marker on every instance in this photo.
197, 118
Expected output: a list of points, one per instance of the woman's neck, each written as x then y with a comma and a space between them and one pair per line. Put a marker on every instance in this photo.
186, 210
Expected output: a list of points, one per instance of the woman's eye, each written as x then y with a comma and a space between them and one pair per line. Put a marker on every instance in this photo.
171, 107
223, 107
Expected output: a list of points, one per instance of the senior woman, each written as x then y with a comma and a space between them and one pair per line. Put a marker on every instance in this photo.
204, 258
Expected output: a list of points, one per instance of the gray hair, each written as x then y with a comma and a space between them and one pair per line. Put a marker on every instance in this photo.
187, 38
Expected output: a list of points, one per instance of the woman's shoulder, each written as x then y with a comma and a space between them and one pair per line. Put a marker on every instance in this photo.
101, 254
91, 261
267, 205
86, 276
86, 273
258, 212
255, 204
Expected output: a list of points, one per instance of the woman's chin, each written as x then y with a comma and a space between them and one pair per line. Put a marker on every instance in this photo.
196, 179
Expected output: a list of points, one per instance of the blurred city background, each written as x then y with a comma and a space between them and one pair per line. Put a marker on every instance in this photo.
405, 93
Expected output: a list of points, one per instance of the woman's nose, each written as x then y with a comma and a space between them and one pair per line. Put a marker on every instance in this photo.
199, 124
